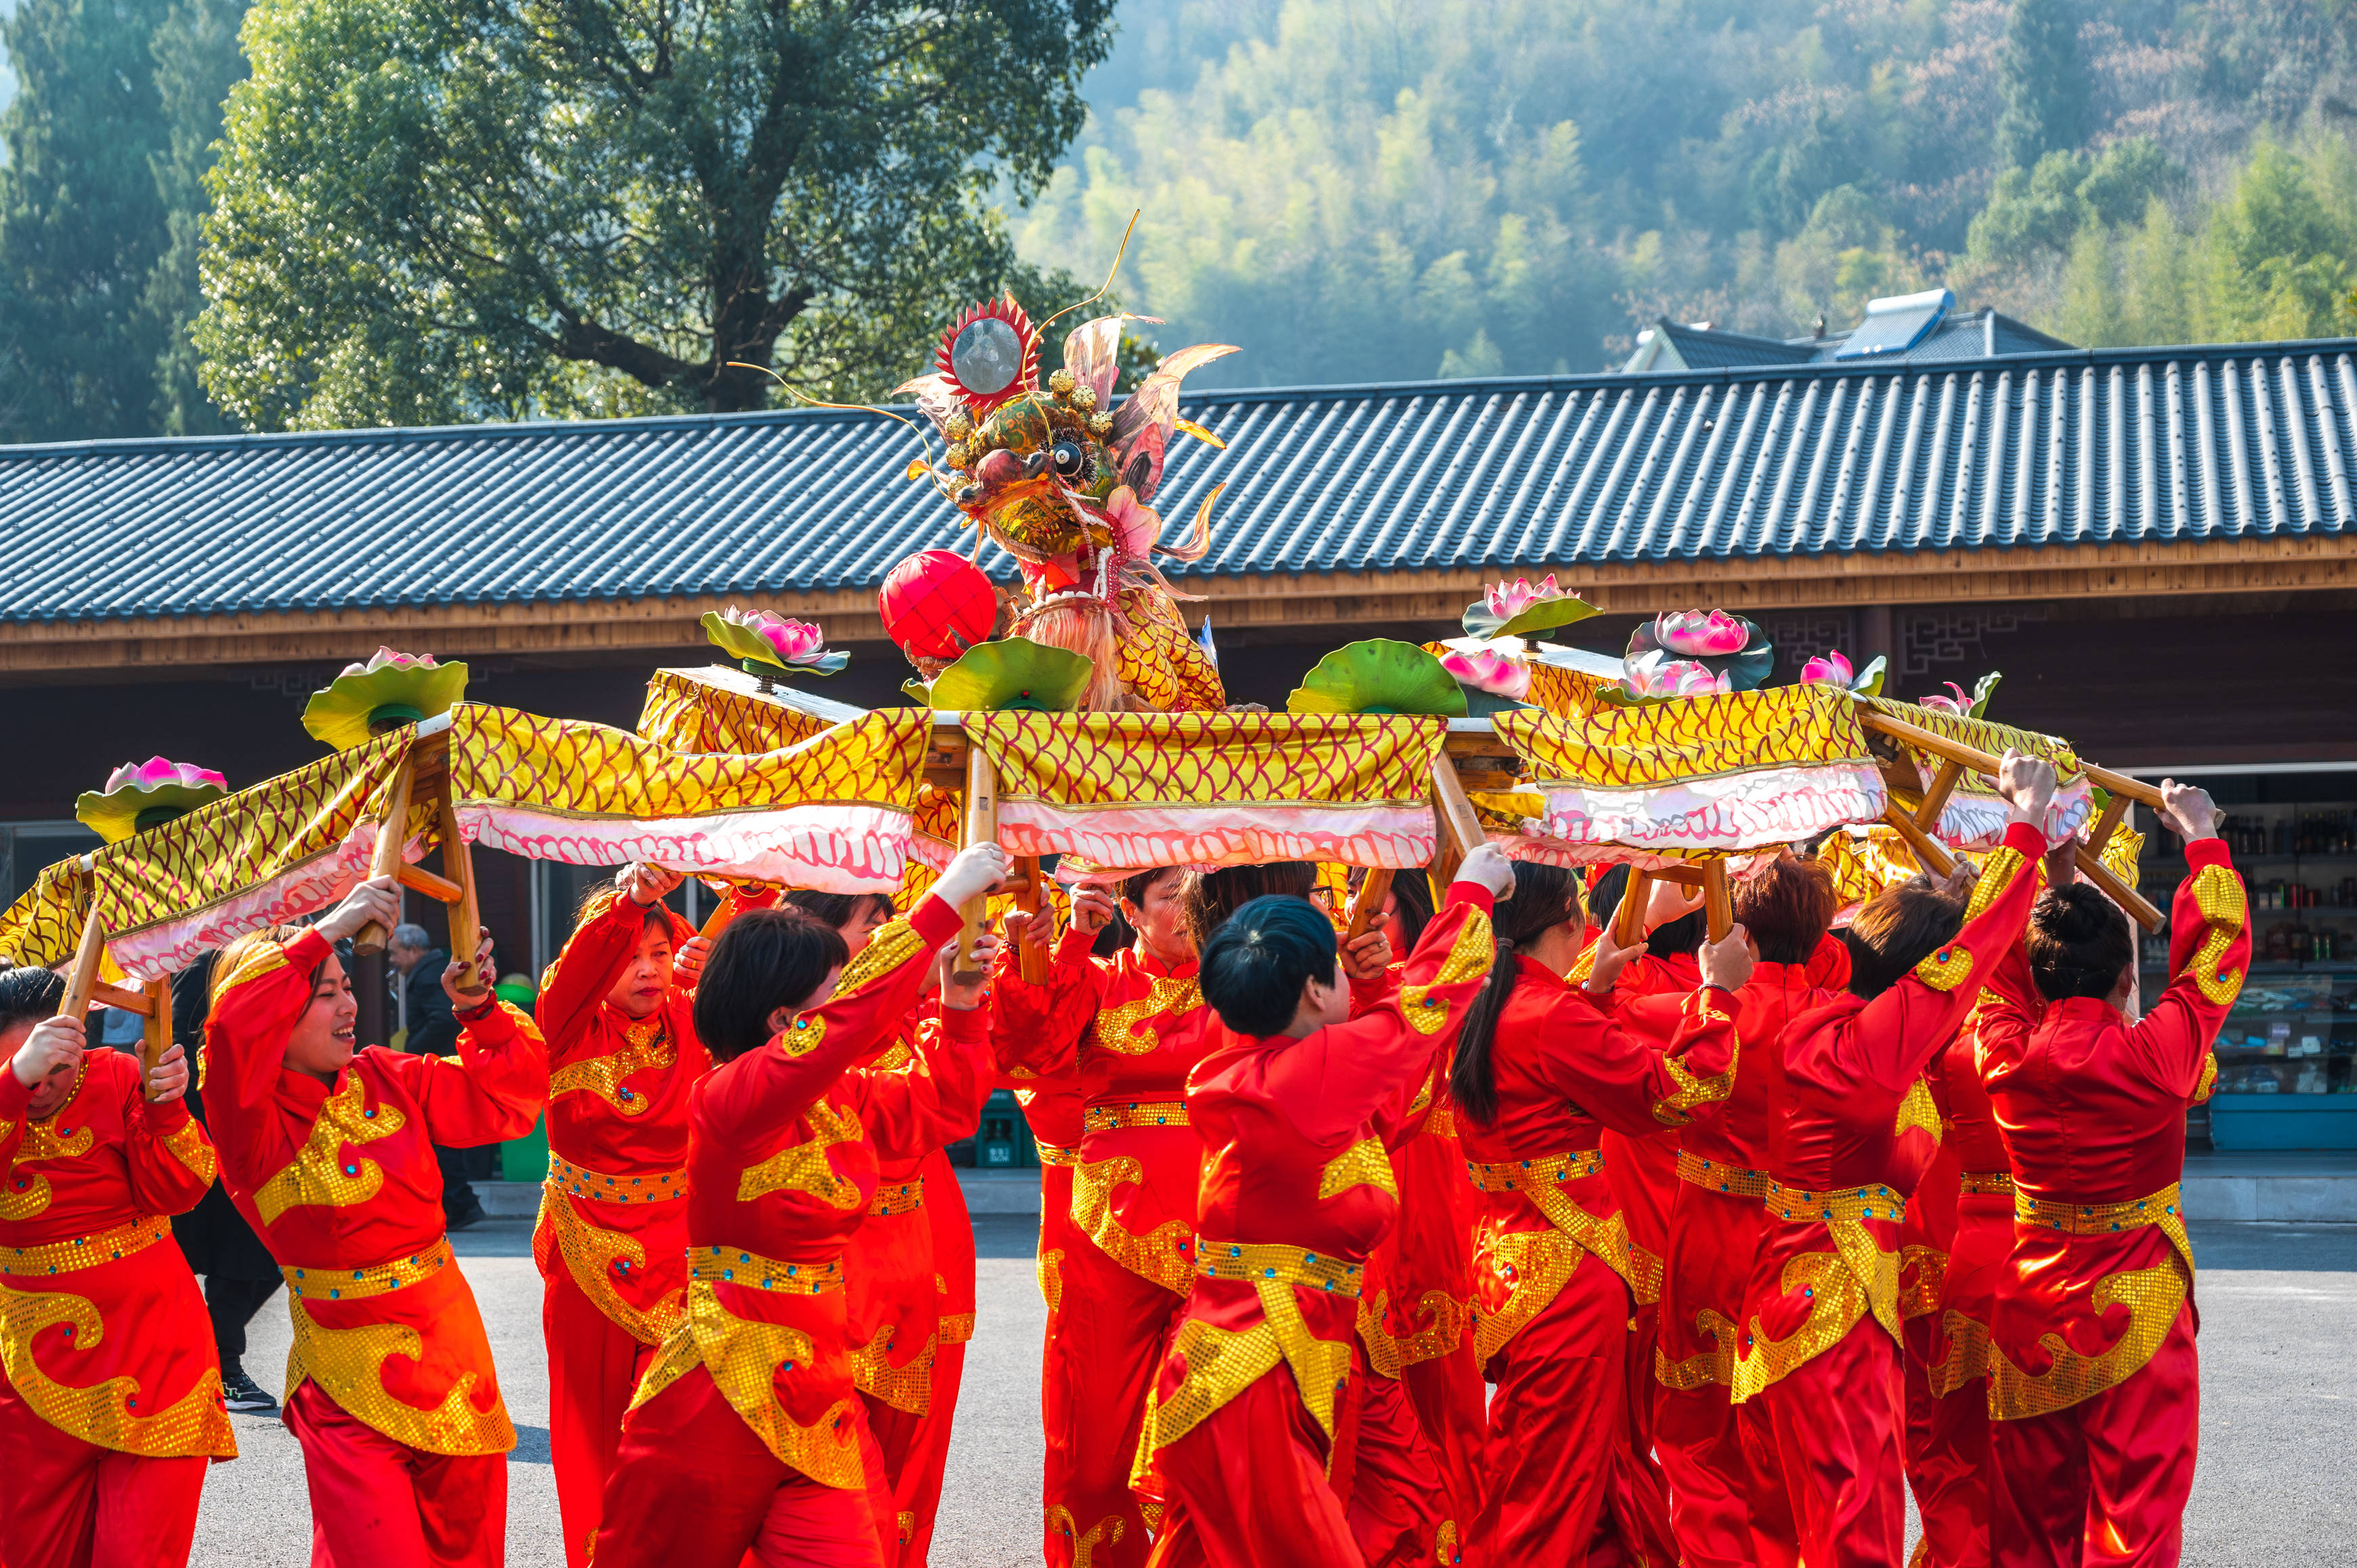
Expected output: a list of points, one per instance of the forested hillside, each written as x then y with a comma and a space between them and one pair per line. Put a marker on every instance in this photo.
1361, 189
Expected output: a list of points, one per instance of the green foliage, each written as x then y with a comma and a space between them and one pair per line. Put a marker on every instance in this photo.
2044, 82
435, 209
114, 106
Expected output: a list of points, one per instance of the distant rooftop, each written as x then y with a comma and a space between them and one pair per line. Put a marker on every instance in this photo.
1910, 328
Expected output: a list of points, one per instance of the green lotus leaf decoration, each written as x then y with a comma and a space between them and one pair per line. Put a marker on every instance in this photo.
771, 645
1521, 607
1012, 674
391, 690
143, 795
1379, 676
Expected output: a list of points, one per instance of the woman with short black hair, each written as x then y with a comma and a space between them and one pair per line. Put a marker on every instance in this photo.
1292, 1104
747, 1434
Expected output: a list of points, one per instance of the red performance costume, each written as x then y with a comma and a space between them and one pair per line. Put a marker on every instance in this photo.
113, 1406
747, 1434
1130, 1035
1727, 1505
389, 1386
1296, 1192
909, 1283
1858, 1130
2094, 1392
612, 1242
1556, 1276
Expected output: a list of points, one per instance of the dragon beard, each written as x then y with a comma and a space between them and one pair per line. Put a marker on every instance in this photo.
1082, 624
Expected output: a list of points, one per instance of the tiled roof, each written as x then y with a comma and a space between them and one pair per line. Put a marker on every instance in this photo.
2039, 449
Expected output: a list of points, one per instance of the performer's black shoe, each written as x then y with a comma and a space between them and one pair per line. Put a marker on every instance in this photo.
241, 1393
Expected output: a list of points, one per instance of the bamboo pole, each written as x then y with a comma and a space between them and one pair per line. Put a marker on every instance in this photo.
1981, 761
1935, 798
155, 1037
1368, 906
1460, 824
458, 871
391, 836
82, 979
1629, 920
1934, 860
1031, 955
981, 827
1717, 900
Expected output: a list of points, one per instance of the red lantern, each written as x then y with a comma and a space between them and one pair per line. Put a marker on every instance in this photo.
937, 605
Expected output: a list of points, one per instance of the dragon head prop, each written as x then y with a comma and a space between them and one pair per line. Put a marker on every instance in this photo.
1061, 476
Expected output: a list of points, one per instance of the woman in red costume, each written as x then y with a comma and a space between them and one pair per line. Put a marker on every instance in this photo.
1089, 1513
2094, 1389
1542, 1068
907, 1275
1858, 1130
1717, 1473
112, 1410
329, 1153
1292, 1103
612, 1237
1131, 1038
747, 1434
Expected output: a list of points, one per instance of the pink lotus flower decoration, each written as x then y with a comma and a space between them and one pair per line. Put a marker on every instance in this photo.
157, 772
1652, 675
1961, 704
1507, 600
1827, 666
392, 658
1491, 672
1699, 632
794, 641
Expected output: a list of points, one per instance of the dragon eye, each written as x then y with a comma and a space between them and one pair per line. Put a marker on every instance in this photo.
1069, 458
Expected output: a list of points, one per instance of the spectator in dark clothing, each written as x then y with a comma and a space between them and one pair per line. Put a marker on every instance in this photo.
417, 965
239, 1272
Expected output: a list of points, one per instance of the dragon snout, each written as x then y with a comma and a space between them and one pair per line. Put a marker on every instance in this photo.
1001, 468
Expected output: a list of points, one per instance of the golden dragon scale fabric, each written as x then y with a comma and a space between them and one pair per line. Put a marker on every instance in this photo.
697, 710
831, 812
1715, 774
1867, 861
1974, 815
1140, 790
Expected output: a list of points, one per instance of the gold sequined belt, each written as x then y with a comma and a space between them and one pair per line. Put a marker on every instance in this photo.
1274, 1261
1512, 1175
2098, 1218
1714, 1176
901, 1197
1051, 1155
649, 1187
306, 1283
1875, 1202
736, 1266
85, 1251
1985, 1184
1138, 1113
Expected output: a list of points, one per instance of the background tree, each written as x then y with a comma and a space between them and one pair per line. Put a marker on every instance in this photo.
432, 209
2044, 80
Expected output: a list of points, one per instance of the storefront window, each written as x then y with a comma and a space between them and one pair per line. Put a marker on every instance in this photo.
2286, 1052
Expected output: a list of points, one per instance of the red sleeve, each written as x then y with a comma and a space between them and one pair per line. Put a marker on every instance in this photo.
245, 1041
748, 1099
1331, 1083
2010, 1010
1894, 1036
1372, 995
1662, 1060
936, 1098
1036, 1030
2209, 953
580, 976
169, 1158
16, 1099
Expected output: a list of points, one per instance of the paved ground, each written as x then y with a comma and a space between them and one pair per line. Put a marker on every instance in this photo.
2274, 1489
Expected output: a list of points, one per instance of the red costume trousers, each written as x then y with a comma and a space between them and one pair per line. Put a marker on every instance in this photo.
916, 1452
1110, 1331
1397, 1500
376, 1503
1249, 1489
692, 1487
65, 1503
1835, 1421
1947, 1459
593, 1367
2104, 1480
1727, 1502
1451, 1404
1559, 1471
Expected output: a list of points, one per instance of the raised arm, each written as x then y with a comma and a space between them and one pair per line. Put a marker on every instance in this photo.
1897, 1033
938, 1098
1335, 1080
592, 959
169, 1157
1661, 1063
2208, 954
769, 1087
1036, 1030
